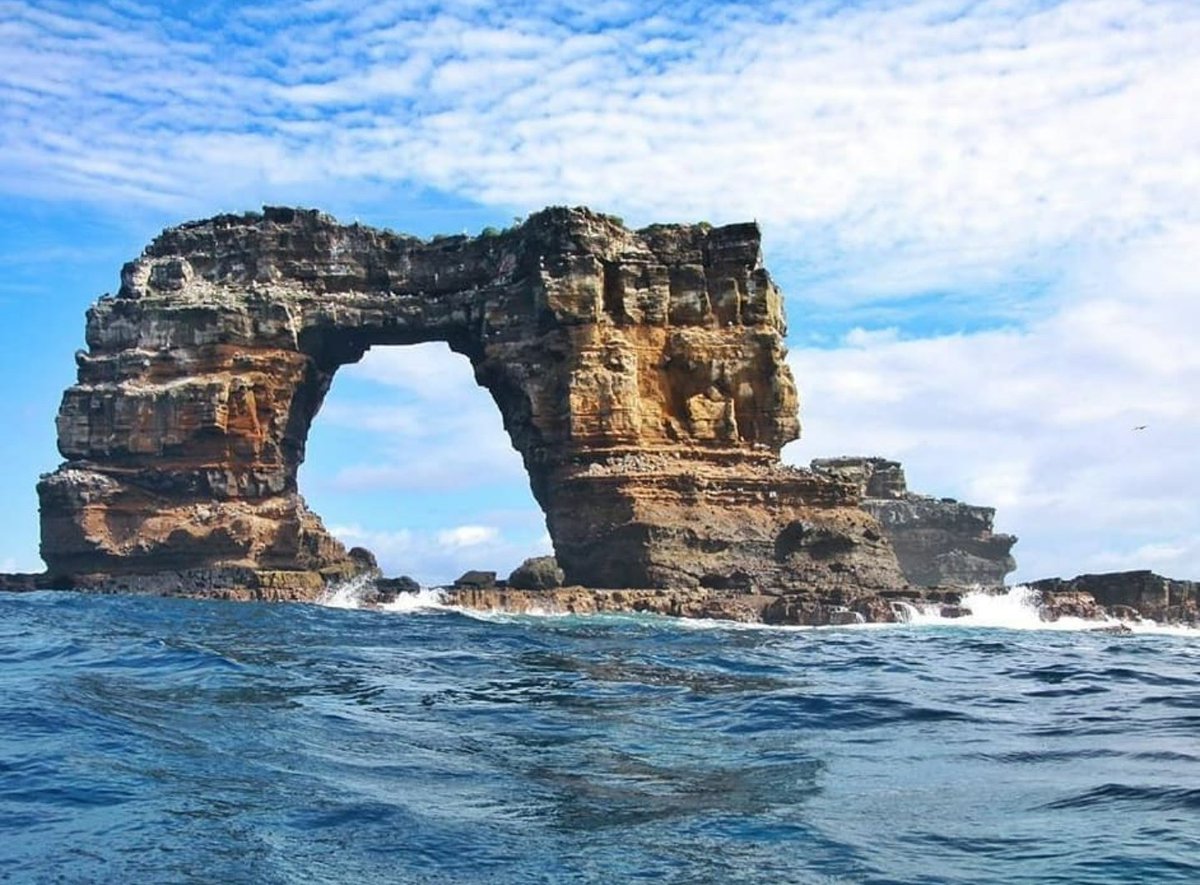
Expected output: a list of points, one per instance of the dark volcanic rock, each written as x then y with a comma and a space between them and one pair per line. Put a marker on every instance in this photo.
938, 541
477, 579
1067, 603
24, 582
640, 374
1150, 595
537, 573
386, 590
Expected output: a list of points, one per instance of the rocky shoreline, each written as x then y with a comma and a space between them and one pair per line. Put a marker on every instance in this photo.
641, 374
1101, 598
1123, 596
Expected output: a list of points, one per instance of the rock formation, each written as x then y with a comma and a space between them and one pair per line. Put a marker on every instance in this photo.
640, 375
537, 573
1122, 594
939, 542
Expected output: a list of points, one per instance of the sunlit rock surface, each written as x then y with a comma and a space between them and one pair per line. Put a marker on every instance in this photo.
640, 375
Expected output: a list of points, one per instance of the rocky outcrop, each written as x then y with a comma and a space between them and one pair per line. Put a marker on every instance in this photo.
383, 591
938, 541
640, 375
1122, 595
810, 608
24, 582
537, 573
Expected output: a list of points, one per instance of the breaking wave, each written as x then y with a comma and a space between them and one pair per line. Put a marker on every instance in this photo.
1018, 608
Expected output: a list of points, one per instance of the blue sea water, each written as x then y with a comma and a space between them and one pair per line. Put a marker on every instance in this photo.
171, 740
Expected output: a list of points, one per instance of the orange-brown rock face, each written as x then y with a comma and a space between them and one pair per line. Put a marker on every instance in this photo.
641, 376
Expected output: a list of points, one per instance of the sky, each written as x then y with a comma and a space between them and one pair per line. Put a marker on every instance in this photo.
985, 217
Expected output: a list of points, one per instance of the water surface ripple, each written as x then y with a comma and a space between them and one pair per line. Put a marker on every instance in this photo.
166, 740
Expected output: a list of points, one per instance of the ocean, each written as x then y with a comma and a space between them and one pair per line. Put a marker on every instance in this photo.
174, 740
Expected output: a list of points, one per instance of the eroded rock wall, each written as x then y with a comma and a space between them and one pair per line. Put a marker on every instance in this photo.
939, 542
1145, 593
640, 374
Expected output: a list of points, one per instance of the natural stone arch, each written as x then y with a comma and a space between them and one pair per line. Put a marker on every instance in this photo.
640, 375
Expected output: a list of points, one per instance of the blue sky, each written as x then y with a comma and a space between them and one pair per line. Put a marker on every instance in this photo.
984, 217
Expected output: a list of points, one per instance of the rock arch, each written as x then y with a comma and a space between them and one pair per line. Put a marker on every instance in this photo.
640, 375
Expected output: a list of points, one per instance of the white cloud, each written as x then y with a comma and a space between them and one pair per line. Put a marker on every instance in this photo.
901, 145
1038, 421
437, 556
424, 425
468, 536
429, 372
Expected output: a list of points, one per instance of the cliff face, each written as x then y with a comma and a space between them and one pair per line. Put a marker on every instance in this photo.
1145, 593
938, 541
641, 376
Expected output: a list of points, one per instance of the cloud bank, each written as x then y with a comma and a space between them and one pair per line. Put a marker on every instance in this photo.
937, 135
1079, 427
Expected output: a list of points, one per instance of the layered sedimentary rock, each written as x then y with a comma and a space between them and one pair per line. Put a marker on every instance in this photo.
640, 375
939, 542
1122, 594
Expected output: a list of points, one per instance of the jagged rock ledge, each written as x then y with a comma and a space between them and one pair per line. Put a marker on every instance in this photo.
939, 542
1125, 596
233, 583
809, 609
1128, 596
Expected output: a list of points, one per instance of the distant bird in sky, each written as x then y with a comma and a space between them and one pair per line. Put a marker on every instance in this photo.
1139, 427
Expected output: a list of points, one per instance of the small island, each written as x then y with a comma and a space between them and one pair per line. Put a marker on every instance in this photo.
640, 374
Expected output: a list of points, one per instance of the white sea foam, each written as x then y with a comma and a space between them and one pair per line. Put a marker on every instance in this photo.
352, 594
347, 594
1019, 608
423, 600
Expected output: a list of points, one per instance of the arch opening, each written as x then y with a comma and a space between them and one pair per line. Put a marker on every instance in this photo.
408, 457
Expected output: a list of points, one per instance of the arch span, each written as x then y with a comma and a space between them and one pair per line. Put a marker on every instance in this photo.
640, 375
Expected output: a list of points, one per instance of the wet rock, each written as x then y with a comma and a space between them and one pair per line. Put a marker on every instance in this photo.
1113, 630
875, 610
234, 583
843, 618
24, 582
385, 590
364, 560
1069, 604
954, 611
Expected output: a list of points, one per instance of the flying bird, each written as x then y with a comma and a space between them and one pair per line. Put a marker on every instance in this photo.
1139, 427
